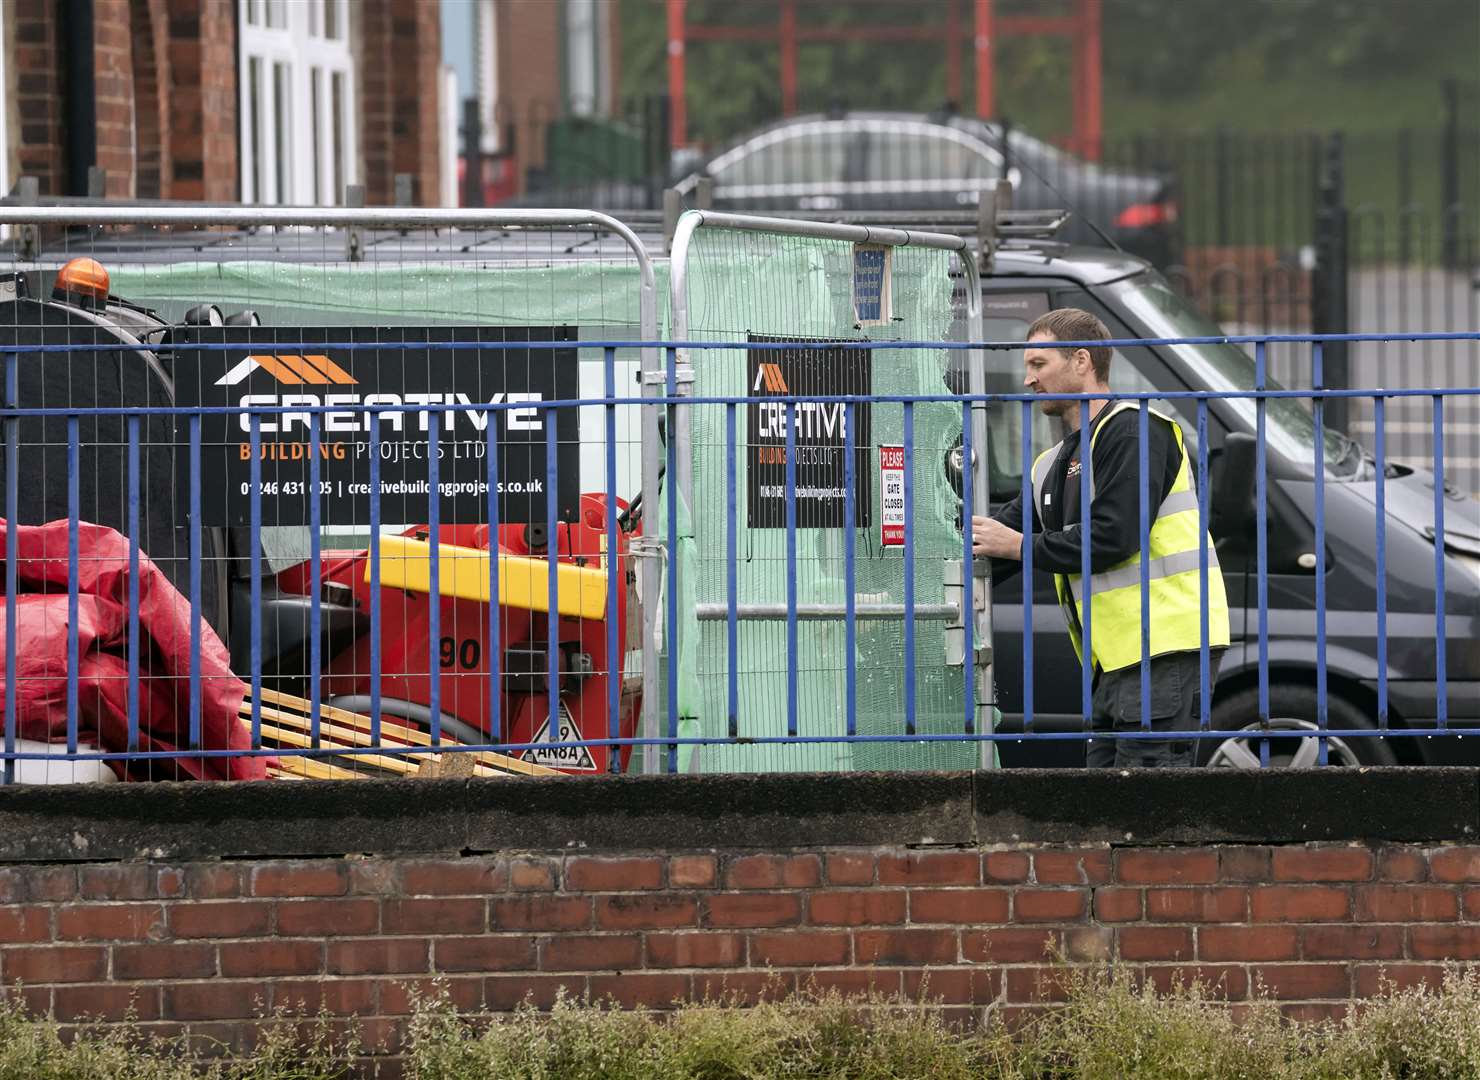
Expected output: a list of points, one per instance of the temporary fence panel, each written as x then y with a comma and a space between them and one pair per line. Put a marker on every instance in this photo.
819, 555
288, 352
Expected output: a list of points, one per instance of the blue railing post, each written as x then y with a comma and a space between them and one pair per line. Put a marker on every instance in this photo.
732, 584
134, 481
670, 484
434, 573
909, 567
1261, 545
1086, 630
315, 579
1318, 383
616, 662
1143, 533
1379, 421
1441, 663
12, 554
254, 558
968, 572
850, 570
1030, 508
74, 521
195, 571
1204, 673
375, 626
552, 553
495, 644
791, 568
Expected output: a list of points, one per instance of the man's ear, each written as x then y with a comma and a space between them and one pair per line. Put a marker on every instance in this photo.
1082, 360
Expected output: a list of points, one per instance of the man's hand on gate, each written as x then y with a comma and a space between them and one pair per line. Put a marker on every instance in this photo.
995, 540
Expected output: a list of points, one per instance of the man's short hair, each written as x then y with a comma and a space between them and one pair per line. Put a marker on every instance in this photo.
1074, 324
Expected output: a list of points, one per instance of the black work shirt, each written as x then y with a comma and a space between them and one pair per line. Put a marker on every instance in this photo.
1115, 522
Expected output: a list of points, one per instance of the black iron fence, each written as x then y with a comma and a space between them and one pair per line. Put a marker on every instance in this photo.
1210, 191
1311, 232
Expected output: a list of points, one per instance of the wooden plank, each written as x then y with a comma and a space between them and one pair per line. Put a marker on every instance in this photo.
308, 769
293, 738
360, 723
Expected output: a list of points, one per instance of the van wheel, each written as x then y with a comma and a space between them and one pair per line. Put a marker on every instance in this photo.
1291, 708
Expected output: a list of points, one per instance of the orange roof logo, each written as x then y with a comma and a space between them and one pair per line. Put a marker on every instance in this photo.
770, 377
291, 371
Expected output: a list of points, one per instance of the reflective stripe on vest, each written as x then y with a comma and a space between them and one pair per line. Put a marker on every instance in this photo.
1173, 572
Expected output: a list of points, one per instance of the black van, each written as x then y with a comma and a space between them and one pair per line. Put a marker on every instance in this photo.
1030, 277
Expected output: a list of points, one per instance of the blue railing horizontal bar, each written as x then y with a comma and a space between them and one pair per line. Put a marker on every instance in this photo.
364, 409
919, 737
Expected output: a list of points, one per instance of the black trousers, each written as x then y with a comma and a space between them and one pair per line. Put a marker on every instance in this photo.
1176, 705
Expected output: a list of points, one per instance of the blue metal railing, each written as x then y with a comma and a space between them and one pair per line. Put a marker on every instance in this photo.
1261, 729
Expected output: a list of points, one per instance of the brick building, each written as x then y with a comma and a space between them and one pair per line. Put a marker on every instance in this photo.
258, 101
530, 67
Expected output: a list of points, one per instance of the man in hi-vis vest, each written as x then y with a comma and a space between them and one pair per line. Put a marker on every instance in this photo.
1115, 548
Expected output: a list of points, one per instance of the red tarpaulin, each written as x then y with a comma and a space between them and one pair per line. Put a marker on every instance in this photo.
102, 671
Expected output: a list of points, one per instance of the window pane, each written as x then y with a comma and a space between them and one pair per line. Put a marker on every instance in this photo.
814, 158
276, 14
313, 19
316, 126
254, 129
1006, 317
251, 6
331, 18
337, 145
281, 130
919, 155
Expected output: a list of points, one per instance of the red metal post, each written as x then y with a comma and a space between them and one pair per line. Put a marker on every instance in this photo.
788, 33
1078, 78
1092, 136
953, 52
678, 114
984, 43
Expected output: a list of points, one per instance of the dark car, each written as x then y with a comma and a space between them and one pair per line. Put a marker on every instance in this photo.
895, 161
1028, 279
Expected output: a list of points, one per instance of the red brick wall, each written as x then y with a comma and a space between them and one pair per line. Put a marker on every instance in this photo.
113, 74
530, 92
39, 75
153, 169
204, 946
203, 100
399, 58
164, 96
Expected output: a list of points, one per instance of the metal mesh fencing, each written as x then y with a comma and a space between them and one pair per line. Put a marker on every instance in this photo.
776, 542
262, 404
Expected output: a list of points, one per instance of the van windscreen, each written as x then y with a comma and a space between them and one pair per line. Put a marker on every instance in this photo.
1157, 311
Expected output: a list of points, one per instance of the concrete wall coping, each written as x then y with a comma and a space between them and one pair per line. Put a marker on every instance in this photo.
172, 821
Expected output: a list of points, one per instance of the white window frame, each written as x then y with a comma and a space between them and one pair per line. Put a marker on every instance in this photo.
582, 71
298, 43
485, 73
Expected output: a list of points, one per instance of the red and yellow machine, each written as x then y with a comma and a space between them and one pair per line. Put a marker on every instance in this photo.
461, 660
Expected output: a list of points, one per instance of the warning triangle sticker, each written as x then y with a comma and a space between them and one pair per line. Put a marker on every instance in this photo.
571, 758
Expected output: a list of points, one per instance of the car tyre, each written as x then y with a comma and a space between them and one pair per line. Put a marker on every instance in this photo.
1290, 707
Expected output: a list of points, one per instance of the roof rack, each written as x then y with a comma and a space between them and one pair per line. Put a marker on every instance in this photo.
997, 221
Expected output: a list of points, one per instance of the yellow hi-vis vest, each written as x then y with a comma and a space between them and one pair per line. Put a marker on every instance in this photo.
1115, 604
